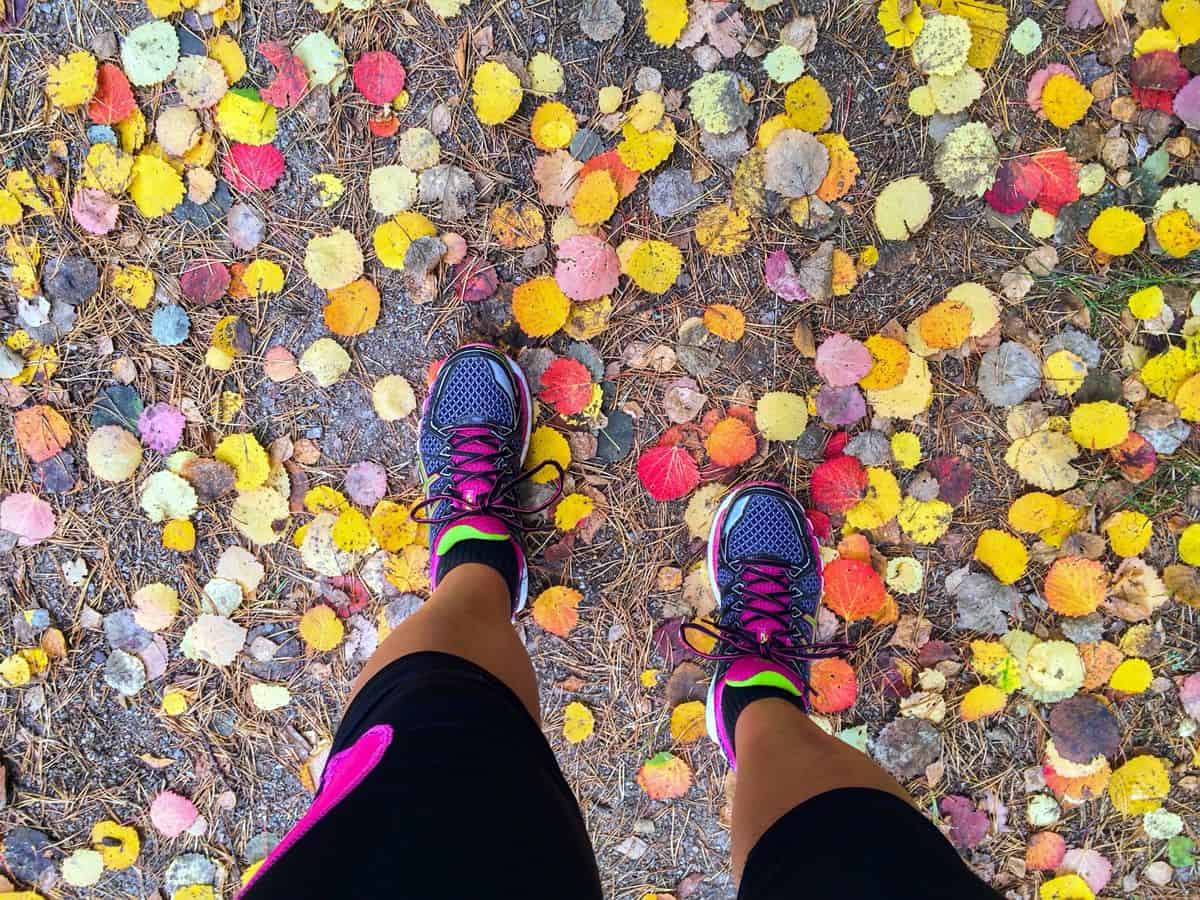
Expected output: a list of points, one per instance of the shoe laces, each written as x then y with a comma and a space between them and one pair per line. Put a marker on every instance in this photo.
761, 594
482, 454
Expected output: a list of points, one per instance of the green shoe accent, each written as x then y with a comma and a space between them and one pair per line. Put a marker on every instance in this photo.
465, 533
767, 678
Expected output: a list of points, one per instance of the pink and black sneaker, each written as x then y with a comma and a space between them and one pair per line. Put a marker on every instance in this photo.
765, 570
474, 435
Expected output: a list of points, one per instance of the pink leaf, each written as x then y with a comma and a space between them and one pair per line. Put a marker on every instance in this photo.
1189, 695
1187, 103
840, 406
587, 268
94, 210
160, 427
379, 76
172, 814
29, 517
667, 472
1089, 865
366, 483
780, 276
968, 825
248, 167
842, 361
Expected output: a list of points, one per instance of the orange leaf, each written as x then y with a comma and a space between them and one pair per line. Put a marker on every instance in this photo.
1075, 586
946, 324
1045, 852
555, 609
664, 777
833, 684
517, 225
352, 309
41, 432
725, 321
731, 442
853, 589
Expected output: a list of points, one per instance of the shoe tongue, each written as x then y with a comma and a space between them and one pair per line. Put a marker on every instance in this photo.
763, 597
471, 528
473, 487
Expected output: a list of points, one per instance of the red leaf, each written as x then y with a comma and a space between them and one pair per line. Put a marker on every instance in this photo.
113, 100
1018, 181
1159, 70
291, 78
820, 523
836, 445
853, 589
953, 475
837, 484
205, 281
379, 76
1060, 180
668, 473
567, 386
474, 280
624, 177
384, 127
833, 684
247, 167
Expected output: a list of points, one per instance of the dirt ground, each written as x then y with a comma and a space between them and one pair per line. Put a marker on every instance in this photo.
76, 752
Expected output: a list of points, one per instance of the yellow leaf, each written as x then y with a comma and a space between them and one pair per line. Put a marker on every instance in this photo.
1004, 554
644, 151
1132, 676
352, 309
578, 722
1147, 303
179, 535
1033, 512
1128, 531
596, 198
547, 444
321, 629
879, 504
393, 398
334, 260
1117, 231
910, 397
15, 671
154, 186
988, 23
1183, 17
174, 702
922, 520
553, 126
1064, 372
1189, 544
571, 510
118, 845
722, 229
1066, 887
889, 363
243, 117
392, 238
352, 531
1100, 425
134, 285
982, 700
942, 46
781, 416
392, 526
900, 32
225, 50
1139, 786
323, 498
540, 307
517, 224
664, 20
902, 208
687, 722
262, 276
248, 459
1064, 100
807, 104
654, 265
329, 187
72, 80
906, 449
496, 93
648, 678
1178, 232
555, 609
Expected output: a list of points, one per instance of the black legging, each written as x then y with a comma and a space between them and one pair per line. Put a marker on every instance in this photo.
441, 785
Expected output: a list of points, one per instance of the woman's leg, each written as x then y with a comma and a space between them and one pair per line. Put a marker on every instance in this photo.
469, 616
812, 817
440, 780
784, 760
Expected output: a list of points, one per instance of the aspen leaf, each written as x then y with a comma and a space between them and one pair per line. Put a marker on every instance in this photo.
687, 722
555, 609
902, 208
321, 629
578, 723
664, 777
